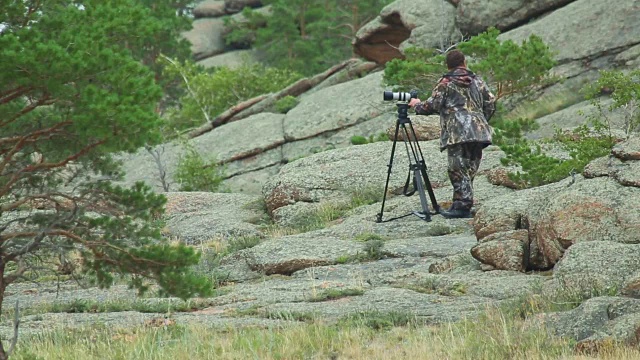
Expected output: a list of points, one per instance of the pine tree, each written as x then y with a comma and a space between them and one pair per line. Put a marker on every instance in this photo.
74, 88
310, 36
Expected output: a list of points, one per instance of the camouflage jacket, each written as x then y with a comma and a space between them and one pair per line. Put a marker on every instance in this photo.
465, 105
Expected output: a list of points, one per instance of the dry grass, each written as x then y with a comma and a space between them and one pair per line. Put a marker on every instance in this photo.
494, 336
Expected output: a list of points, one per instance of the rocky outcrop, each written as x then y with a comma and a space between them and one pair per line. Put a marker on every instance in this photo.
209, 8
339, 174
601, 207
426, 128
587, 36
206, 37
598, 324
234, 6
254, 142
199, 217
404, 23
475, 16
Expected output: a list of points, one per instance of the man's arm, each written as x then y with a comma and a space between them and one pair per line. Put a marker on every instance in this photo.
433, 104
488, 101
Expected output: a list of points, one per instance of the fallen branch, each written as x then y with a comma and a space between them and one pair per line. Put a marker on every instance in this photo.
260, 103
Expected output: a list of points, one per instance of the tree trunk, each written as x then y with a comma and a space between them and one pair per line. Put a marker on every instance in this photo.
3, 352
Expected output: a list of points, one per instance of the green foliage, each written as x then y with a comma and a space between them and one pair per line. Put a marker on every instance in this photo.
310, 36
334, 294
286, 103
75, 86
583, 145
361, 140
625, 93
378, 320
209, 93
509, 68
419, 70
241, 34
194, 173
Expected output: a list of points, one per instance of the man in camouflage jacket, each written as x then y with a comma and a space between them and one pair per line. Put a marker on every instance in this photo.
465, 105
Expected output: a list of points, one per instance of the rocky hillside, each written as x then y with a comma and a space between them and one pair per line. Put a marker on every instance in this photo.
304, 192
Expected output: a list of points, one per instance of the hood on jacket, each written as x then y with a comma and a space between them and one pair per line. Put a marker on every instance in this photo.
460, 76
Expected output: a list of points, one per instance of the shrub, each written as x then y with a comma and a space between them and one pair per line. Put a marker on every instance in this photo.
286, 103
211, 92
193, 173
361, 140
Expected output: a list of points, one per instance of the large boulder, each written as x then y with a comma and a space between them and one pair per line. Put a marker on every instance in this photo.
475, 16
575, 116
321, 112
598, 324
230, 59
234, 6
605, 206
209, 8
405, 23
206, 37
585, 29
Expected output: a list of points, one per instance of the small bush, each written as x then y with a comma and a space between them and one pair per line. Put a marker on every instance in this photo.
286, 103
193, 173
333, 294
583, 146
211, 92
361, 140
377, 320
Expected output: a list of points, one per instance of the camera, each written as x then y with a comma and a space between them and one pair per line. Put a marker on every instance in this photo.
400, 96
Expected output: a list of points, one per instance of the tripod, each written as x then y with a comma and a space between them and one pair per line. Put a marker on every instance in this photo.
417, 166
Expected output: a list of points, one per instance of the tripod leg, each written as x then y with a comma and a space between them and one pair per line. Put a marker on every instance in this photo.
425, 214
386, 185
423, 166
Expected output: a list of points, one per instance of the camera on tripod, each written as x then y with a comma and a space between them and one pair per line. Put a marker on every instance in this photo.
400, 96
417, 164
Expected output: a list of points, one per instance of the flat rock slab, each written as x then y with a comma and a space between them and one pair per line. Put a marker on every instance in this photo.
197, 217
436, 247
498, 285
431, 308
275, 289
289, 254
317, 113
584, 29
475, 16
612, 316
206, 37
39, 324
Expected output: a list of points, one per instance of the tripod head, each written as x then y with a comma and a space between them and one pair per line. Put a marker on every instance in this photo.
403, 116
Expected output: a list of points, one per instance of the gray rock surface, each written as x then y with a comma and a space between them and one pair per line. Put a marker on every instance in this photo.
574, 116
230, 59
338, 174
289, 254
601, 207
596, 317
317, 112
209, 8
206, 37
475, 16
585, 29
405, 23
202, 217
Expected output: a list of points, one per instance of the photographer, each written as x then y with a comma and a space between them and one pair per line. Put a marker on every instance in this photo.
465, 105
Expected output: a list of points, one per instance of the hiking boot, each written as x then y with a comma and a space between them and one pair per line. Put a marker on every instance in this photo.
456, 213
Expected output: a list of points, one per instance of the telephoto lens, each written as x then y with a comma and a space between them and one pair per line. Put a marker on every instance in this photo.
398, 96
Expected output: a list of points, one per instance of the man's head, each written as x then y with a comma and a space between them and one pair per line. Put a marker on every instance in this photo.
455, 58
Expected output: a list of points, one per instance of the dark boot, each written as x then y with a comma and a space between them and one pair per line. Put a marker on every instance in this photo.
456, 213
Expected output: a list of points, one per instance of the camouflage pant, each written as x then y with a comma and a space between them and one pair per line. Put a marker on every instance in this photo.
464, 160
